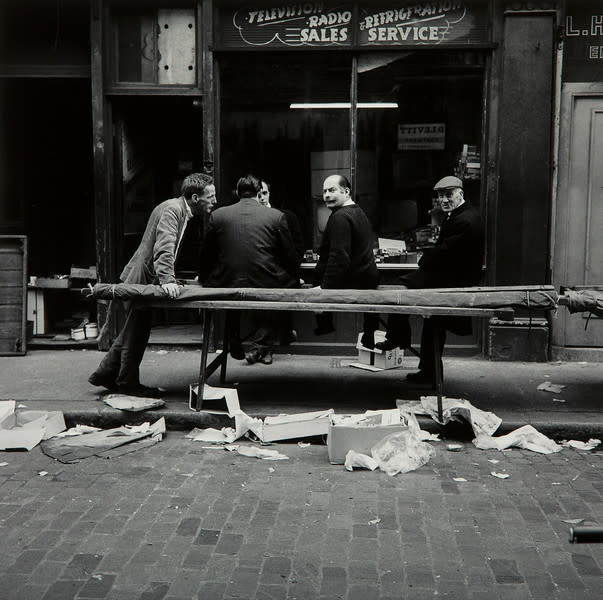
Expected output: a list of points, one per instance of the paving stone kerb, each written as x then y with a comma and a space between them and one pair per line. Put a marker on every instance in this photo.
179, 521
57, 380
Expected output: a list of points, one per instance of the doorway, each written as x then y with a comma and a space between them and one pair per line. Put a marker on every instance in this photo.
157, 143
579, 213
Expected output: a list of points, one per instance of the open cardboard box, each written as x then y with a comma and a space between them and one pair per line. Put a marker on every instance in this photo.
377, 360
362, 435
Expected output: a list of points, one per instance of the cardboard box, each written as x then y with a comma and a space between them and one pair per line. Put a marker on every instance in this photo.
378, 360
361, 438
286, 427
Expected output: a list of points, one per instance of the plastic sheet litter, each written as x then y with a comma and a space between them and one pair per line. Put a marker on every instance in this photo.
358, 460
401, 452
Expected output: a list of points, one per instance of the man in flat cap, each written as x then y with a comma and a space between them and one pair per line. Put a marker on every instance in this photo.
455, 261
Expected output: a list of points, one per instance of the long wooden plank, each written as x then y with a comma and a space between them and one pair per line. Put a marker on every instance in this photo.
467, 298
426, 311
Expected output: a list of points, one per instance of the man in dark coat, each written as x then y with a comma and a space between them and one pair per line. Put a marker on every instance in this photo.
346, 259
249, 245
455, 261
152, 263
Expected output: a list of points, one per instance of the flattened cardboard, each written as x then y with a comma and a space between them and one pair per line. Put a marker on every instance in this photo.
287, 427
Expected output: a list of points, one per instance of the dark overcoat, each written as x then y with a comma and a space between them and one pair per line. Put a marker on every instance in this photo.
248, 245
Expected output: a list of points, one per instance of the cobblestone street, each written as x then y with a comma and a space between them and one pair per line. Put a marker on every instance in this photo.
178, 521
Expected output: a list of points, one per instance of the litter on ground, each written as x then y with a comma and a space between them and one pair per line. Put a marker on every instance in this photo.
547, 386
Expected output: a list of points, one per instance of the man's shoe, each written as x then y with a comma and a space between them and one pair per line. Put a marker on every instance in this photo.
420, 377
103, 381
266, 358
253, 356
140, 391
388, 345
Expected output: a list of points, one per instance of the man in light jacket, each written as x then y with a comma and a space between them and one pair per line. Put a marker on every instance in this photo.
152, 263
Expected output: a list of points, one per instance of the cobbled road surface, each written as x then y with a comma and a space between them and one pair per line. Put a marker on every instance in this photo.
178, 521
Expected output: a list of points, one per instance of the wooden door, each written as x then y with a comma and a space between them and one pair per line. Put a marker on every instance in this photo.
578, 250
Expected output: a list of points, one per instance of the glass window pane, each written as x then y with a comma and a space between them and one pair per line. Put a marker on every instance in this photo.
434, 131
293, 149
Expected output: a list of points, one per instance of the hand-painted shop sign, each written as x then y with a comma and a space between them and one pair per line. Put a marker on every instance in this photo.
583, 47
424, 24
321, 24
295, 24
421, 136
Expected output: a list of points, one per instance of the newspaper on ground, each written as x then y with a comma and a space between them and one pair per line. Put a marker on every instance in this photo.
459, 409
132, 403
547, 386
100, 443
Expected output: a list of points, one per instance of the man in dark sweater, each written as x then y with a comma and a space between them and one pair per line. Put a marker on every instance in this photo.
455, 261
346, 253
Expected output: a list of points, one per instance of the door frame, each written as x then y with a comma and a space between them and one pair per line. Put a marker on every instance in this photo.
570, 94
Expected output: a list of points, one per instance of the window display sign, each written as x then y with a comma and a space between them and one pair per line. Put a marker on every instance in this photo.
424, 24
583, 47
321, 24
295, 24
421, 136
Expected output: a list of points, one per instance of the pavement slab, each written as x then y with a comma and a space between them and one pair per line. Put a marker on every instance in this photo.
57, 380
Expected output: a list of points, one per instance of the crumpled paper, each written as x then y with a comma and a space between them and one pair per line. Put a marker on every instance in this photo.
227, 435
526, 437
590, 445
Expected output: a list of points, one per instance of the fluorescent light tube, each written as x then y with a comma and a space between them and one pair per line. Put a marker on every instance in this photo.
311, 105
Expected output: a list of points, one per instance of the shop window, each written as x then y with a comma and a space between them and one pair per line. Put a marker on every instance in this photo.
154, 46
293, 149
419, 118
436, 130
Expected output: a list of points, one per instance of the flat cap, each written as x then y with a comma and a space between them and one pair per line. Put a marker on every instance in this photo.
448, 182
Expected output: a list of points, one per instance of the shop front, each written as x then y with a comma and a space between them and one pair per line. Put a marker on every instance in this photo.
394, 99
133, 94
